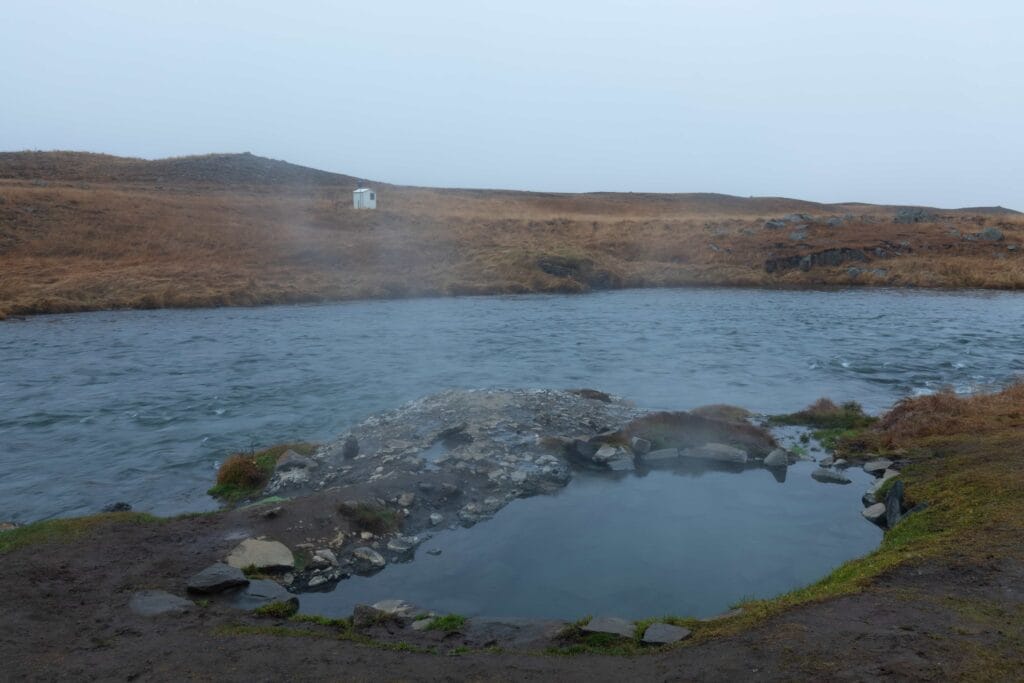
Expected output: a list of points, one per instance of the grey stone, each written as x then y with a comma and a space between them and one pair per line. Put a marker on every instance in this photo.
662, 454
434, 551
398, 608
421, 624
991, 234
406, 499
350, 448
402, 544
640, 445
827, 461
156, 603
623, 463
611, 625
215, 578
878, 466
894, 504
829, 476
777, 458
370, 556
775, 224
661, 634
258, 593
436, 518
868, 499
327, 554
265, 555
605, 453
886, 476
715, 451
875, 513
798, 235
841, 463
290, 460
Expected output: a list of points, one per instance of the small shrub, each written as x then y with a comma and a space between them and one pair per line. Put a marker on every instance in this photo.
449, 623
277, 610
826, 415
243, 474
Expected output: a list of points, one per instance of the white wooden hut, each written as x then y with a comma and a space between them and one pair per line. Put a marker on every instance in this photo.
364, 198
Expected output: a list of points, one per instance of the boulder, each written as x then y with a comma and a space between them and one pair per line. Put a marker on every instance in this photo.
156, 603
640, 445
624, 462
878, 466
827, 461
264, 555
875, 513
829, 476
350, 448
886, 476
290, 460
406, 499
258, 593
369, 556
894, 504
715, 451
661, 455
610, 625
436, 518
661, 634
327, 554
402, 544
605, 453
777, 458
398, 608
215, 578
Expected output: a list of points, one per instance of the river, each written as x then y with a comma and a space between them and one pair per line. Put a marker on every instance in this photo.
141, 406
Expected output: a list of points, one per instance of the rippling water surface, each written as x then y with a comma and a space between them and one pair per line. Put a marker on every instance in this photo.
140, 406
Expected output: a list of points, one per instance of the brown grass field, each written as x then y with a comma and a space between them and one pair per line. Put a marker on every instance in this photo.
83, 231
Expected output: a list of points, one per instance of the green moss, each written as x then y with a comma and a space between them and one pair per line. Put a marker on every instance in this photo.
449, 623
57, 530
826, 415
277, 610
339, 624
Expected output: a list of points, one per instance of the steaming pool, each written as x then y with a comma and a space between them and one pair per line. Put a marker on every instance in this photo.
684, 541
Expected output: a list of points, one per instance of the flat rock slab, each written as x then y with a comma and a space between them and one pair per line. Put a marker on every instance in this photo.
830, 476
661, 634
877, 467
266, 555
661, 454
611, 625
258, 593
215, 578
156, 603
715, 451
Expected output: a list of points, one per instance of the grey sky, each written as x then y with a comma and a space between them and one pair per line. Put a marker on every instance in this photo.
895, 101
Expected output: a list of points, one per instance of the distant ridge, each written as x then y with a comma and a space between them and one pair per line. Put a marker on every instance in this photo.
206, 169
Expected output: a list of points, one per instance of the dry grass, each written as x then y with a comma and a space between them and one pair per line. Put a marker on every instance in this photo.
86, 232
945, 413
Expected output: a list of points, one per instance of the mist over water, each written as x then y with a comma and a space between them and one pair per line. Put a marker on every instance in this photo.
141, 406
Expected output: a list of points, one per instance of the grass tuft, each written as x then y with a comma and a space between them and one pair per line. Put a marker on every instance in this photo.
277, 610
242, 475
449, 623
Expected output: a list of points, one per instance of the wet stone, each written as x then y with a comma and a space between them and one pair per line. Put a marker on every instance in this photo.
662, 454
875, 513
215, 578
157, 603
258, 593
877, 467
611, 625
777, 458
830, 476
661, 634
716, 451
265, 555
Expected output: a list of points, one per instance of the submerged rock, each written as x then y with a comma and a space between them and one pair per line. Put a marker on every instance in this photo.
662, 455
369, 556
610, 625
830, 476
661, 634
719, 452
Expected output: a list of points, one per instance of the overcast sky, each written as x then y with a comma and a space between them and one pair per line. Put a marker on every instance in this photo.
889, 101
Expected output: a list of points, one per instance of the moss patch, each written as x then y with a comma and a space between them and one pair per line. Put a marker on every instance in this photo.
277, 610
57, 530
449, 623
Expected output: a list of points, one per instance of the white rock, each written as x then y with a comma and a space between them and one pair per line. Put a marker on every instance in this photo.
436, 518
267, 555
875, 513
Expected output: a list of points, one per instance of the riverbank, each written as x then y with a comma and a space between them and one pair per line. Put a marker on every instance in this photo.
940, 598
82, 232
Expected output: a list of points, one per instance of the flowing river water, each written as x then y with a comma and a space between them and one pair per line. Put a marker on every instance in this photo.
141, 406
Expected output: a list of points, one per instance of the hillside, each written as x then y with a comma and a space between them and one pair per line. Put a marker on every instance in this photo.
85, 231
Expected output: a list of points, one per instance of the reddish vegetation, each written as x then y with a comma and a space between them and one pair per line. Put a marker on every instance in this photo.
85, 231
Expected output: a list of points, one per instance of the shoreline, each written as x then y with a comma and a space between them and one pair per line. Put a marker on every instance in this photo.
947, 569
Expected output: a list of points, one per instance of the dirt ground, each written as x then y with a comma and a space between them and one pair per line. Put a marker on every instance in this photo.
66, 616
